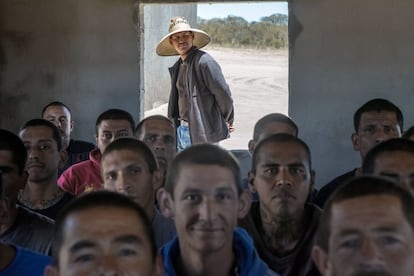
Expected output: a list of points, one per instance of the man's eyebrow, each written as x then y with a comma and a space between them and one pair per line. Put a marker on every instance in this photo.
385, 229
81, 245
191, 190
224, 189
131, 239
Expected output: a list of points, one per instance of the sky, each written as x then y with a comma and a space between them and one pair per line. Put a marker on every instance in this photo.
249, 11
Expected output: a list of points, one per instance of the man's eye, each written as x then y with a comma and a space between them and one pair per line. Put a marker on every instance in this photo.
134, 170
192, 198
44, 147
296, 170
84, 258
389, 240
127, 252
349, 244
169, 140
271, 171
107, 136
110, 176
123, 134
151, 138
224, 196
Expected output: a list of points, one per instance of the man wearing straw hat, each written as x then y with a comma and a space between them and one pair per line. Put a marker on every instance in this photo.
200, 100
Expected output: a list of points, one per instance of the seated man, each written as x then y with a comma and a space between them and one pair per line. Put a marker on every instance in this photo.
16, 260
45, 156
129, 167
18, 226
60, 115
158, 133
393, 158
376, 121
205, 197
104, 233
282, 224
367, 228
86, 175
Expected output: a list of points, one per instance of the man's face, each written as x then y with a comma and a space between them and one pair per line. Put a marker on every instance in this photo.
61, 118
270, 129
127, 172
13, 179
44, 158
182, 41
105, 241
205, 207
398, 165
370, 236
375, 127
159, 135
109, 130
282, 179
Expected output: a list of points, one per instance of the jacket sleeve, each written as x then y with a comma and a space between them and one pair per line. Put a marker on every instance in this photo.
214, 80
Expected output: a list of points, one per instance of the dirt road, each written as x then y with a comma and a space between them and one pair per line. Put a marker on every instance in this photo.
259, 85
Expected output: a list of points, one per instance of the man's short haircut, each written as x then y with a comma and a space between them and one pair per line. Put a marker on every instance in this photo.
408, 133
360, 187
99, 199
378, 105
11, 142
135, 145
272, 118
203, 154
42, 122
280, 138
114, 114
140, 126
55, 103
395, 144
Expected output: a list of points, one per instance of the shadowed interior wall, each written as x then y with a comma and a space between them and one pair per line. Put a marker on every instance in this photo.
344, 53
83, 53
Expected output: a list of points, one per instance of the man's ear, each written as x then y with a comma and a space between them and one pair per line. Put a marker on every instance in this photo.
72, 124
312, 181
251, 147
355, 141
245, 201
158, 266
157, 179
251, 175
50, 271
165, 203
63, 158
320, 258
4, 210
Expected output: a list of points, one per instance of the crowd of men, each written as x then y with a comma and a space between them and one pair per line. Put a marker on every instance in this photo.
135, 205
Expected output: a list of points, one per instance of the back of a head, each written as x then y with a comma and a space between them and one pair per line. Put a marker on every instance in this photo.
99, 199
378, 105
134, 145
273, 118
11, 142
42, 122
203, 154
115, 114
392, 145
279, 138
55, 103
361, 187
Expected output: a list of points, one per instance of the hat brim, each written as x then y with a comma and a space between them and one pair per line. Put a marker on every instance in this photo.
165, 48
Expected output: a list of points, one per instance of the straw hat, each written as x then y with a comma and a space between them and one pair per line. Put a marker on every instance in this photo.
180, 24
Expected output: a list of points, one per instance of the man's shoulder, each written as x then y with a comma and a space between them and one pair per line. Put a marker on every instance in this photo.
28, 217
331, 186
27, 262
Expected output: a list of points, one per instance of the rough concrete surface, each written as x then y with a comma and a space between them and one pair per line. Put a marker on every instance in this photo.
259, 84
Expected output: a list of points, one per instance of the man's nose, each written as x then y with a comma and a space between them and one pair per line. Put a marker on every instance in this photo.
370, 254
283, 177
206, 210
108, 266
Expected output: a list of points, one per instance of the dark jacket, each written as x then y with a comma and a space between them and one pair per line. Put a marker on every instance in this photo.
211, 104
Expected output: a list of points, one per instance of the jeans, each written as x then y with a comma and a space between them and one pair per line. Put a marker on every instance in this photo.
183, 137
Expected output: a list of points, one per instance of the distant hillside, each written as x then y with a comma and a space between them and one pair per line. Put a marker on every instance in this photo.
234, 31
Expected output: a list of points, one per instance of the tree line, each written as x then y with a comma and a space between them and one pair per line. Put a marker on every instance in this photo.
236, 32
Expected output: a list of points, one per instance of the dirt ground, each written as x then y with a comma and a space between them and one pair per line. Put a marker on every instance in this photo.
259, 84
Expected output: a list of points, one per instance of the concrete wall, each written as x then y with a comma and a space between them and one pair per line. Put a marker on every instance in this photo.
343, 53
83, 53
